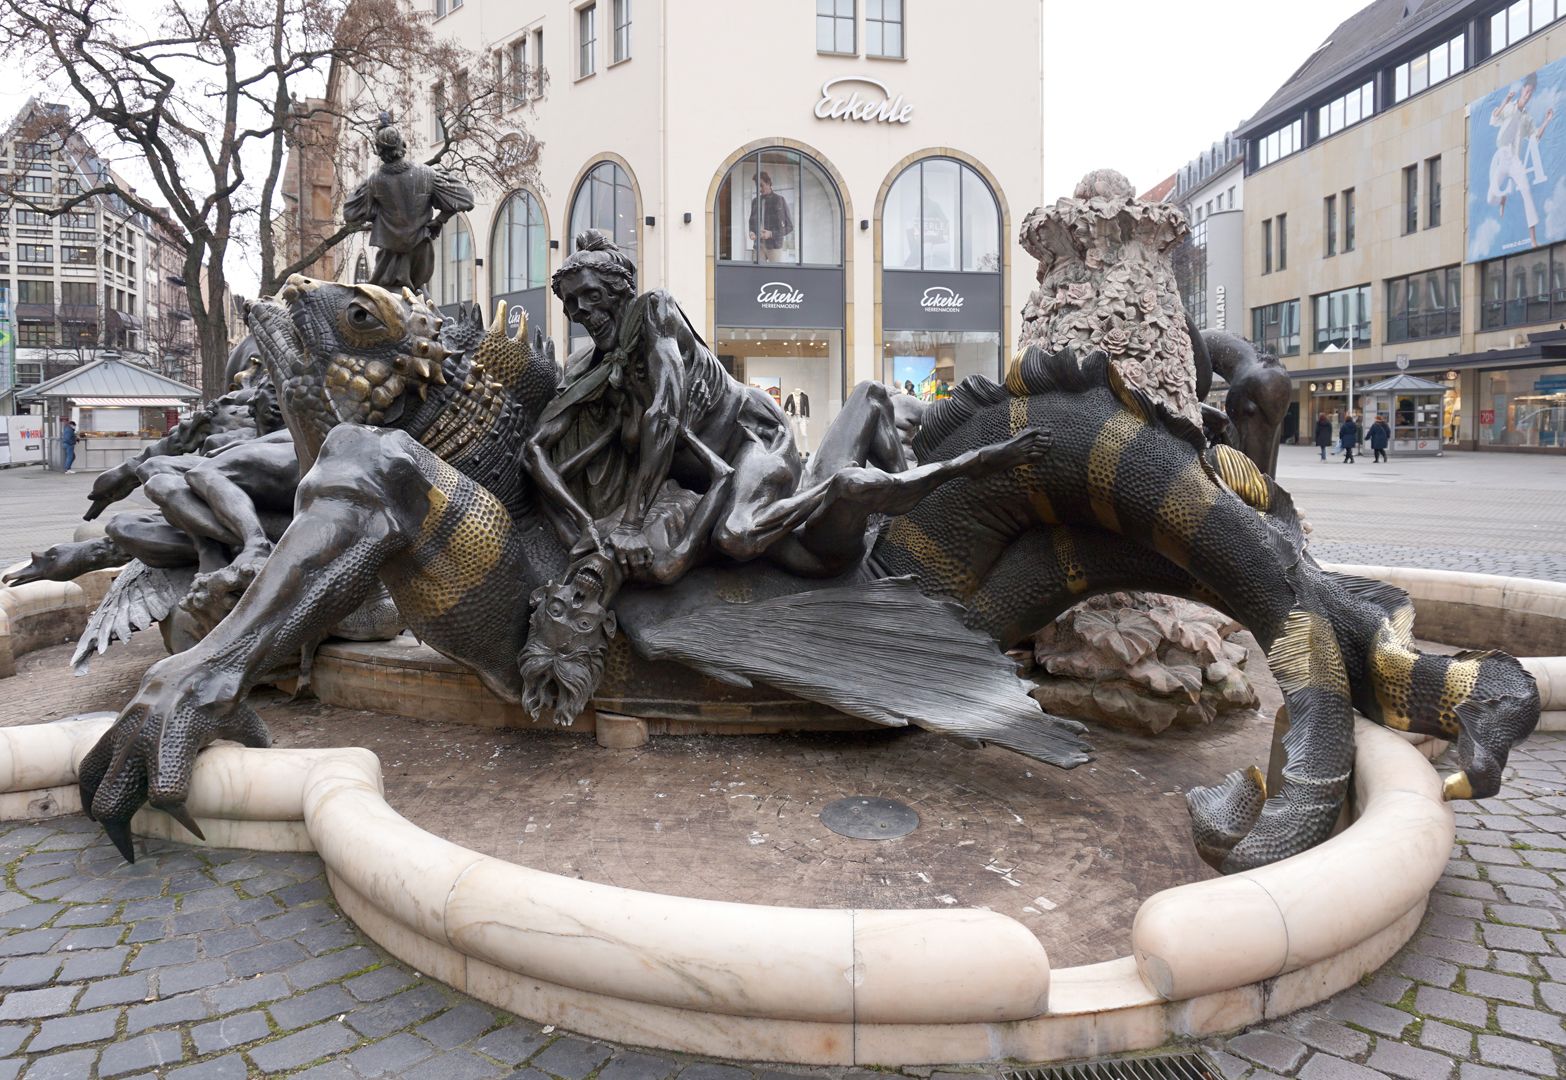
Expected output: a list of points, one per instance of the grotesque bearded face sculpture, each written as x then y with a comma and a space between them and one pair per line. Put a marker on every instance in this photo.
567, 644
594, 301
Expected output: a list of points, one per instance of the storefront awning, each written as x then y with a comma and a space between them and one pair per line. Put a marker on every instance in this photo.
128, 403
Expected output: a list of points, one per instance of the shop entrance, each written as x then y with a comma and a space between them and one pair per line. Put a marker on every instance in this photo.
801, 370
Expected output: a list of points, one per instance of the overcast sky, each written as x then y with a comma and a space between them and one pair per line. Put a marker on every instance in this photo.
1141, 86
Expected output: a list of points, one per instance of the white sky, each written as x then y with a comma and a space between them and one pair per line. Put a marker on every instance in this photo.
1141, 86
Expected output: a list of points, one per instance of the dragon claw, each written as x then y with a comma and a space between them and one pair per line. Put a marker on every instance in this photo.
179, 813
119, 832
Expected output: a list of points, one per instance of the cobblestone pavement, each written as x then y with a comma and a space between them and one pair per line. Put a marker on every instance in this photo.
40, 507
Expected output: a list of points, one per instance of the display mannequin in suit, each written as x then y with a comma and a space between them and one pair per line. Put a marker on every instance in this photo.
797, 408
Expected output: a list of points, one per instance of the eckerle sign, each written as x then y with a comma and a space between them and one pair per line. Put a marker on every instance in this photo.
942, 300
835, 106
779, 296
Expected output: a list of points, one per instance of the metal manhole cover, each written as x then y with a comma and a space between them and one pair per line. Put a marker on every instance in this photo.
865, 817
1179, 1065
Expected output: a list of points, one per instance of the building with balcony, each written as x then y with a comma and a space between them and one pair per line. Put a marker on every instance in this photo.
1405, 211
822, 194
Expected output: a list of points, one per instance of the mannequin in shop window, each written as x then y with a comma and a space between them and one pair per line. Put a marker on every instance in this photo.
770, 222
797, 408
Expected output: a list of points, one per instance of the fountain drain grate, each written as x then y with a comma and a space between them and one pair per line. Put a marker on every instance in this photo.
1182, 1065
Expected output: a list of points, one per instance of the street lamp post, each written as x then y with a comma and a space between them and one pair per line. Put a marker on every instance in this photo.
1335, 347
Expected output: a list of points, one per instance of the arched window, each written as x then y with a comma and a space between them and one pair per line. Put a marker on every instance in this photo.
606, 201
361, 268
456, 262
519, 246
941, 215
779, 206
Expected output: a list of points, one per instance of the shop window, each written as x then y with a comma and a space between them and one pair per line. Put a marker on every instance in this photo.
779, 206
1276, 328
456, 263
606, 201
1427, 305
940, 215
519, 247
884, 28
1340, 316
802, 371
835, 27
1523, 407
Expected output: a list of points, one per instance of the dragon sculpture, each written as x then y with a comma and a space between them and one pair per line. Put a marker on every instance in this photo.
421, 442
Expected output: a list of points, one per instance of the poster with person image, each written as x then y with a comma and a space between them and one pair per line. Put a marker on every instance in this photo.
1517, 166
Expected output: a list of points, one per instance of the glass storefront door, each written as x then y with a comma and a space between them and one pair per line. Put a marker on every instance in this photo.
801, 370
928, 363
1523, 407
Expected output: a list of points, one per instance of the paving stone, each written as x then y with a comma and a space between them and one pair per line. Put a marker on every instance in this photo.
1400, 1060
516, 1042
1432, 1001
160, 954
1530, 1024
11, 1036
1506, 987
87, 915
302, 1047
1512, 1054
1320, 1033
30, 942
327, 1070
1266, 1048
273, 956
151, 908
325, 938
574, 1059
331, 967
1553, 994
1458, 952
1522, 915
708, 1070
1387, 989
1382, 1020
296, 1012
1453, 927
120, 991
634, 1066
389, 1056
71, 1065
229, 1032
1428, 969
1468, 1070
1449, 1040
74, 1030
95, 963
28, 972
379, 983
460, 1024
1513, 963
1533, 897
90, 937
165, 1012
1516, 938
30, 917
153, 1050
232, 1067
1327, 1067
246, 993
198, 922
223, 942
197, 976
459, 1065
1494, 856
36, 1004
395, 1013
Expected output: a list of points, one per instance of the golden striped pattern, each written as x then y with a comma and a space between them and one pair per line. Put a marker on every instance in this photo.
1103, 461
1018, 407
1306, 654
460, 541
1392, 677
1181, 513
1461, 678
1241, 476
941, 568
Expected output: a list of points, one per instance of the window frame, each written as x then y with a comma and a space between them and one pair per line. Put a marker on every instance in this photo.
1363, 293
499, 272
901, 22
1410, 199
1449, 314
959, 218
618, 30
586, 46
1433, 192
1267, 246
1350, 220
1329, 213
1282, 250
1259, 322
852, 18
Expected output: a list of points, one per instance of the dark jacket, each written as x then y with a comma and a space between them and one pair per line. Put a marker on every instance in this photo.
1380, 435
1323, 432
1348, 435
770, 212
67, 435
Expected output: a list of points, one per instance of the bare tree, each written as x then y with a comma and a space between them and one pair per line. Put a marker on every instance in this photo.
207, 94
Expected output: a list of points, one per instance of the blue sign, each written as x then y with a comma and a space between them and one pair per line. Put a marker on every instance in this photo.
1517, 166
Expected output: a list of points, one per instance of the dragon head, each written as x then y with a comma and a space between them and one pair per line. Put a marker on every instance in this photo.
369, 346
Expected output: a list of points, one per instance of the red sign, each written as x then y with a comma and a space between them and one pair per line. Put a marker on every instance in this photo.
1487, 417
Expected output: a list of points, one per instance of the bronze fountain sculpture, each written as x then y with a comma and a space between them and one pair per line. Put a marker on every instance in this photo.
519, 523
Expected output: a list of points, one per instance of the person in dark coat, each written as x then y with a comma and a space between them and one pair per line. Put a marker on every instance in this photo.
1380, 435
1348, 437
1323, 434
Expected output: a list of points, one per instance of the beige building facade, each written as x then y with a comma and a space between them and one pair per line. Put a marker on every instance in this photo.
815, 183
1358, 229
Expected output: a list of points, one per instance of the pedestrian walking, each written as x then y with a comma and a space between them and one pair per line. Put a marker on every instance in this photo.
1348, 437
1323, 434
1380, 435
68, 444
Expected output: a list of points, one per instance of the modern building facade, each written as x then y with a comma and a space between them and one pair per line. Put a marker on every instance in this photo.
826, 200
76, 286
1210, 265
1403, 198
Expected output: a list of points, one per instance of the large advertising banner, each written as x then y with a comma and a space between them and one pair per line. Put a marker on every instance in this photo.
1517, 165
